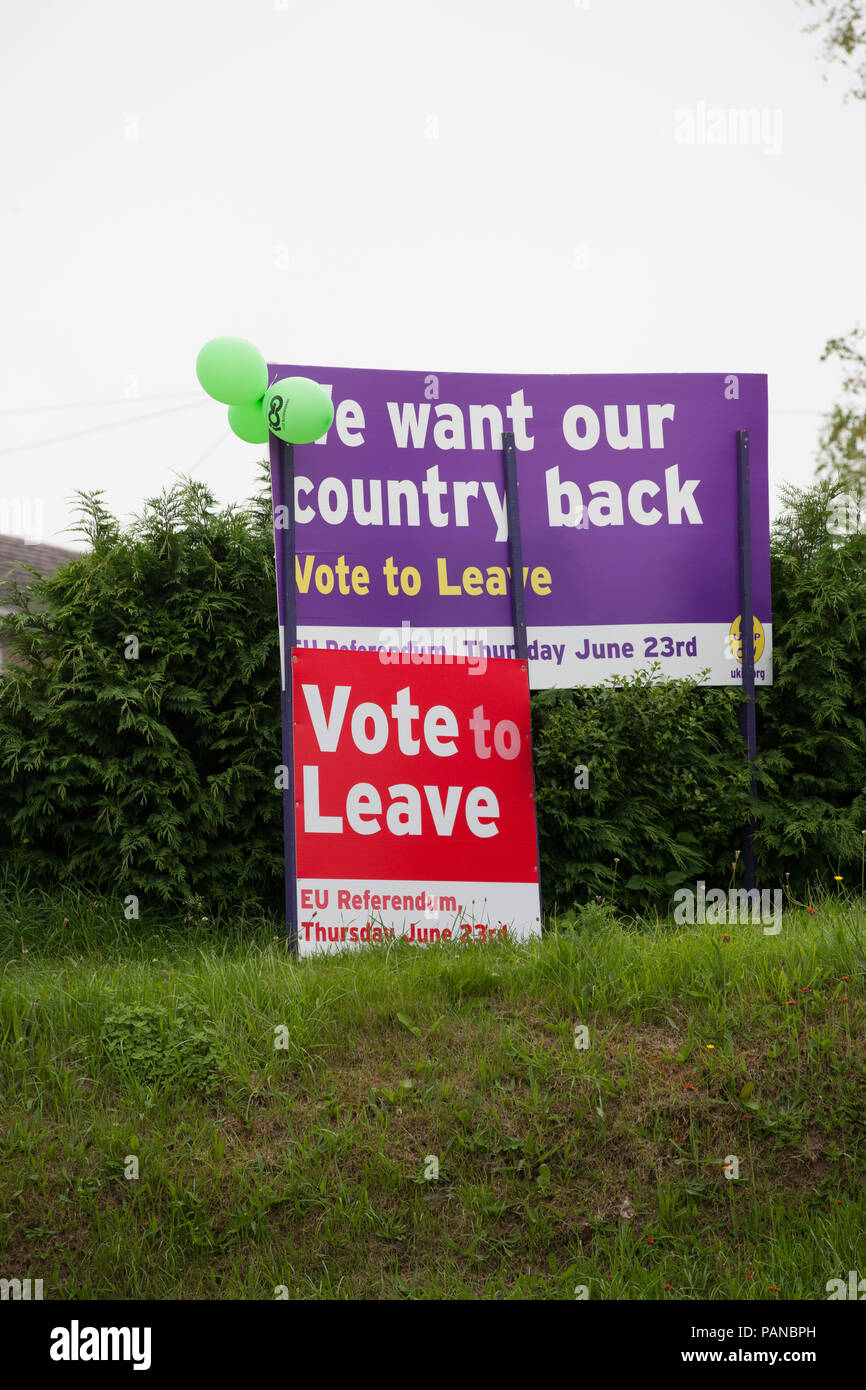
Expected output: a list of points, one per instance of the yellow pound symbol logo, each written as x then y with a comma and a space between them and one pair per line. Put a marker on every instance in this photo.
735, 640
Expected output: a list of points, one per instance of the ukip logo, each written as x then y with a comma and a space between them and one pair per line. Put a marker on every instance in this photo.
734, 643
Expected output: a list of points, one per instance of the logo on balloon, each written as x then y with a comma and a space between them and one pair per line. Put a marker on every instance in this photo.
297, 410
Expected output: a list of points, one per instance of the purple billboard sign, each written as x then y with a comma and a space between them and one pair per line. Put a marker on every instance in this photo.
628, 517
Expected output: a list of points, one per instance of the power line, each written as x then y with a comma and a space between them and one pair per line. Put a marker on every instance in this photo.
96, 429
188, 395
173, 410
212, 450
91, 405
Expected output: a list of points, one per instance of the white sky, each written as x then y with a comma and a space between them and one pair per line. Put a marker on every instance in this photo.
475, 185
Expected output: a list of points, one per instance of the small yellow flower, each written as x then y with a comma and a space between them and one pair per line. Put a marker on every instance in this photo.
838, 878
711, 1045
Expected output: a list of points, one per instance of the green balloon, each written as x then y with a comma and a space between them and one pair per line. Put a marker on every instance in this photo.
297, 410
248, 422
232, 371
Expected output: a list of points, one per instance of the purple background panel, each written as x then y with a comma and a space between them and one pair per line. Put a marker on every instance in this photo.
633, 573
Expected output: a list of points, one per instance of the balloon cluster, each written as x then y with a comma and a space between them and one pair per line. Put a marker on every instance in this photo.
234, 372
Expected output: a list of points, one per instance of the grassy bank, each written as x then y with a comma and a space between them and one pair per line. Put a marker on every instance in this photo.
313, 1165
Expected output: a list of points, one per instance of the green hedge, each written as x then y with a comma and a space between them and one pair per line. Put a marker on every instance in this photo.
154, 775
667, 794
812, 720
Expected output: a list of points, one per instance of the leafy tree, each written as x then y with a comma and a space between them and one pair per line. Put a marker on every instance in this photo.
842, 25
842, 445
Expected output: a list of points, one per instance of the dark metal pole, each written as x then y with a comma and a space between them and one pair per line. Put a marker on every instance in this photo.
518, 598
747, 631
515, 547
283, 469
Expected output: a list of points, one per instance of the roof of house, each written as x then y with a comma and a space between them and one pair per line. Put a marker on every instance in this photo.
16, 552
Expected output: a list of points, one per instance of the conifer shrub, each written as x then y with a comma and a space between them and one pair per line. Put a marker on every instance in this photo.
139, 716
140, 728
812, 720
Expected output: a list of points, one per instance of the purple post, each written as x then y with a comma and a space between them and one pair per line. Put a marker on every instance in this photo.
747, 634
283, 492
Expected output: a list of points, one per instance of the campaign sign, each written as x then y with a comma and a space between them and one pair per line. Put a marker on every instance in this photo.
414, 804
628, 515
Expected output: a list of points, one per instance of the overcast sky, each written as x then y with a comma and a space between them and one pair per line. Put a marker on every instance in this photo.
473, 185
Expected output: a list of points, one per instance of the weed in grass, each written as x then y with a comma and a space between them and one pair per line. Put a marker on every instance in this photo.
153, 1046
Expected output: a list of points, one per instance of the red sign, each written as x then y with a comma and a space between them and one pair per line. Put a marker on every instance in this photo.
414, 807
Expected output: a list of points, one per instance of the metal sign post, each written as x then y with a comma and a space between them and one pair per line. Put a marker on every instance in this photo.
515, 547
518, 594
283, 469
747, 636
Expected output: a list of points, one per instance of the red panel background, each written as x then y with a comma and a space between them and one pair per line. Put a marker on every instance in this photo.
503, 690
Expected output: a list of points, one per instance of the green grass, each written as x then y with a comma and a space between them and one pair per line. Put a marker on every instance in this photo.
308, 1166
